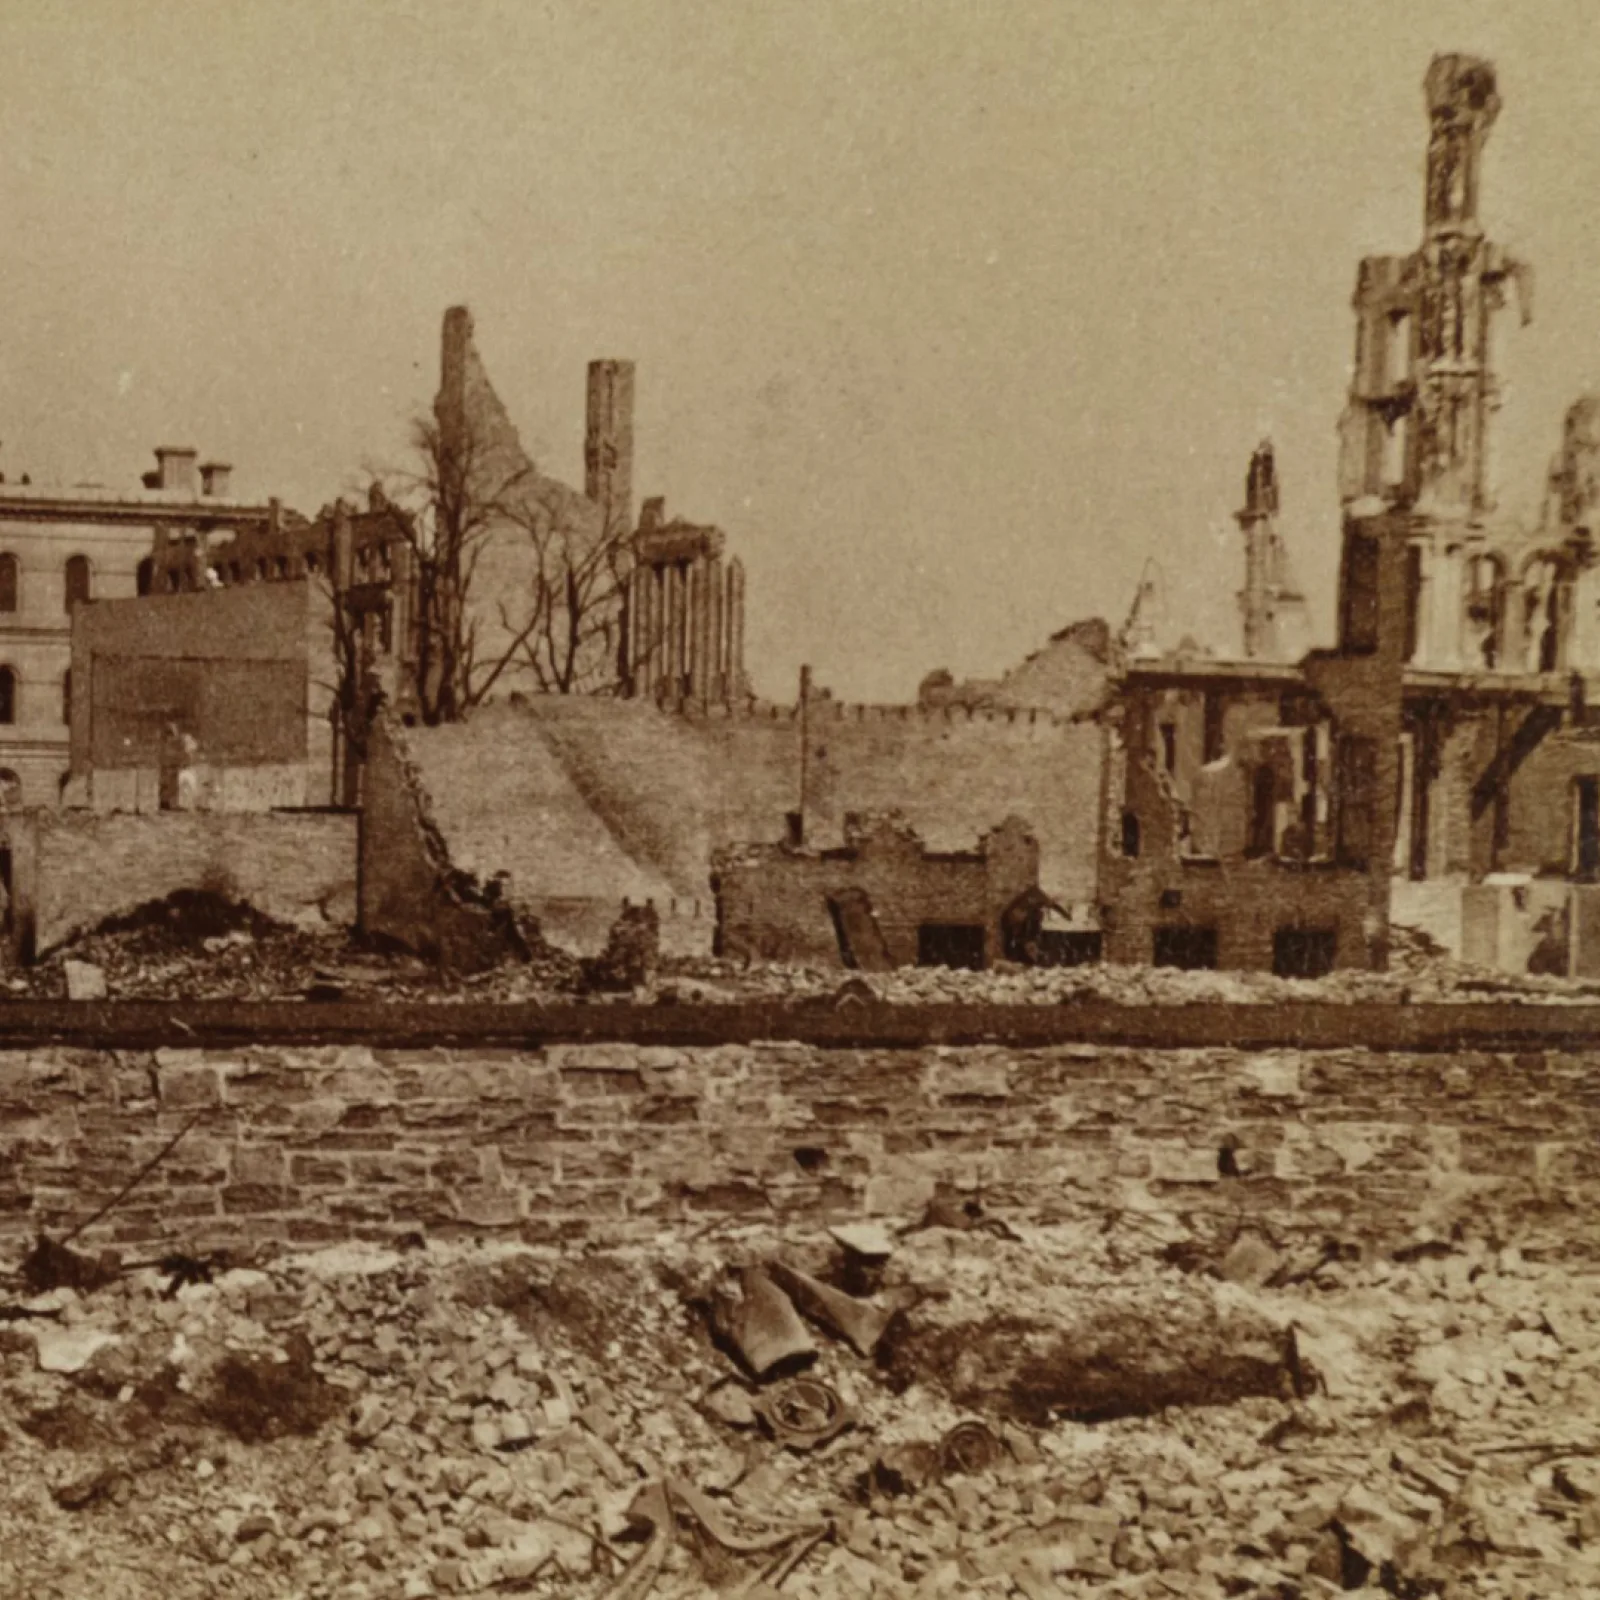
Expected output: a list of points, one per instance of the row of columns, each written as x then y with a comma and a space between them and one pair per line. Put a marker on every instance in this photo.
686, 629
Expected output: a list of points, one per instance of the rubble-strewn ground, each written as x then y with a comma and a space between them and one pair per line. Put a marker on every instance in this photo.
464, 1419
198, 947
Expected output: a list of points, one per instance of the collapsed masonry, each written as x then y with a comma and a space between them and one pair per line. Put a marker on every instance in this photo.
880, 900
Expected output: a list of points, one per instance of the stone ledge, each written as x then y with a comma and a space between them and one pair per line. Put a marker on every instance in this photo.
1312, 1025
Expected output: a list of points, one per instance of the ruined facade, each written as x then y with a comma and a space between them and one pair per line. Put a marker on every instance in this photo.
1438, 766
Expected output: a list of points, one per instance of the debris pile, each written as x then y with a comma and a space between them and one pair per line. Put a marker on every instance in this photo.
1106, 1403
200, 945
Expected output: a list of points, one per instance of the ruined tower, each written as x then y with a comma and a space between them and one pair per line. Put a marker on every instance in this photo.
1415, 432
1272, 609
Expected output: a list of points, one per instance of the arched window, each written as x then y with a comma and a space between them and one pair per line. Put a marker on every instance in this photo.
66, 695
145, 576
8, 695
77, 580
8, 582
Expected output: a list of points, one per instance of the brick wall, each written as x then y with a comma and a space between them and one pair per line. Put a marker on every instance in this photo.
73, 869
303, 1145
1540, 804
236, 677
955, 774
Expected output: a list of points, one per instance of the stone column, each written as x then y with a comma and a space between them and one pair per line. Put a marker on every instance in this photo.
1422, 653
656, 643
675, 628
704, 669
1448, 607
693, 580
636, 593
1585, 650
1402, 832
736, 680
716, 612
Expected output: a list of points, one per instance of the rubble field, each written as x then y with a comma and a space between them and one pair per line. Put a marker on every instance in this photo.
198, 946
1110, 1403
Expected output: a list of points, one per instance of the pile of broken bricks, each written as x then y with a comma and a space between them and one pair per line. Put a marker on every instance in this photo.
1098, 1404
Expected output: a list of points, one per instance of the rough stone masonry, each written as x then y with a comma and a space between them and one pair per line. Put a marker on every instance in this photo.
607, 1142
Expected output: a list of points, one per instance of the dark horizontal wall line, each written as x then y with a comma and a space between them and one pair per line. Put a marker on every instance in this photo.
178, 1024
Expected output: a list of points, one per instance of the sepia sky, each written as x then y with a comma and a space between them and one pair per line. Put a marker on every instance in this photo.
949, 313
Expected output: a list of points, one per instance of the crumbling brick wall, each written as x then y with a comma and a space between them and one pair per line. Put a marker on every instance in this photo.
1153, 881
408, 889
773, 901
304, 1145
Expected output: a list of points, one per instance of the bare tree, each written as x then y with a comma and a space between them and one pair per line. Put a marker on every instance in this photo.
570, 641
452, 502
557, 628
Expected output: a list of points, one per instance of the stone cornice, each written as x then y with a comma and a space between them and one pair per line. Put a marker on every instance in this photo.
121, 513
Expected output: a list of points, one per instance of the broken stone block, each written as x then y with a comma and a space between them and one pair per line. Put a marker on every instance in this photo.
869, 1240
1250, 1260
763, 1326
372, 1416
70, 1349
631, 955
85, 981
858, 1322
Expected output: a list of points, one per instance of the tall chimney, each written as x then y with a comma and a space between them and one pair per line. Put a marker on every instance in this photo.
175, 468
215, 479
608, 444
455, 350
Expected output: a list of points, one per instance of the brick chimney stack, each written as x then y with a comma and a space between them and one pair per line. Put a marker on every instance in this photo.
175, 468
216, 478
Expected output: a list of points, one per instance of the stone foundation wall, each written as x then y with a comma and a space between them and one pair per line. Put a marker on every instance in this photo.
304, 1145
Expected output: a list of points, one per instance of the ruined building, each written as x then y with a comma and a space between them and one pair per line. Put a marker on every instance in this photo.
646, 608
1437, 767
